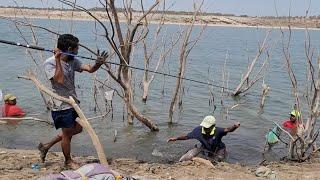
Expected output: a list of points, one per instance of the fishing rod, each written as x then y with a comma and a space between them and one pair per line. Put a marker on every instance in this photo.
114, 63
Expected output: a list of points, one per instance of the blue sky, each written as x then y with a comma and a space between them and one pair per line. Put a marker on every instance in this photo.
238, 7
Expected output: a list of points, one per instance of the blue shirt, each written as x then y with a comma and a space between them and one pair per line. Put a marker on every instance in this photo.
210, 142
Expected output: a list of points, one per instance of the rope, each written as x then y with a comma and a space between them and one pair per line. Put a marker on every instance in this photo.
113, 63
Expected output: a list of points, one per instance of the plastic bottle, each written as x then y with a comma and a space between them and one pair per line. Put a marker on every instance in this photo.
35, 167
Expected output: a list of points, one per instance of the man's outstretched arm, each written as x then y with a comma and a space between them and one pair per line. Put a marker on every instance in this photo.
232, 128
100, 60
184, 137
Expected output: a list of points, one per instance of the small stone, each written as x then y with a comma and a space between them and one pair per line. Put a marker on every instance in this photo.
262, 171
3, 152
272, 175
43, 169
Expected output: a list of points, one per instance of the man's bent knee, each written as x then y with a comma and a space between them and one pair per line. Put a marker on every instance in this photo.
67, 132
78, 128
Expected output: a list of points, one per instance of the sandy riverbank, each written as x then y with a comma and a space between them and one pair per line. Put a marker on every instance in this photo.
210, 20
16, 164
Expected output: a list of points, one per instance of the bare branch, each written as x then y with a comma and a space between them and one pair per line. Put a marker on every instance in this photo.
184, 52
250, 68
25, 118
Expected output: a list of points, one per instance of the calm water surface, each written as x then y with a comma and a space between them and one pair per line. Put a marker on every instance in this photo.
245, 145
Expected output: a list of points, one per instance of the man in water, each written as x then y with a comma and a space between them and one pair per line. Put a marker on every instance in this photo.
10, 108
60, 70
209, 136
291, 124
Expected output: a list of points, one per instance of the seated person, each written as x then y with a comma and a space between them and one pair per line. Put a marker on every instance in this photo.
291, 124
10, 109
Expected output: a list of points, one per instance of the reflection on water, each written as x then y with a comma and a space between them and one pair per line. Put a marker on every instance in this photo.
12, 122
245, 145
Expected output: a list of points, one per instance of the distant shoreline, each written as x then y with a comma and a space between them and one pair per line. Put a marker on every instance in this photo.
209, 20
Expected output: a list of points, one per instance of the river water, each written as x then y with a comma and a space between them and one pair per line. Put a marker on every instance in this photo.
237, 44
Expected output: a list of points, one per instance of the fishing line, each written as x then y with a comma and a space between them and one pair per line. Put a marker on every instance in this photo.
118, 64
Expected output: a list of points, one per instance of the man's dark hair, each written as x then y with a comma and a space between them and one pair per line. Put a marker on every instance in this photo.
67, 40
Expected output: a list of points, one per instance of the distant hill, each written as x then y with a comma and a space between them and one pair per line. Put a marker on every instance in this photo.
121, 10
171, 17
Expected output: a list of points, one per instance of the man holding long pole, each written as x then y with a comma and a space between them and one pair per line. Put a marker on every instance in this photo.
60, 70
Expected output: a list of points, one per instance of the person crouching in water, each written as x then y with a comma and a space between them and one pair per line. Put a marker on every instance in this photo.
292, 124
10, 108
210, 138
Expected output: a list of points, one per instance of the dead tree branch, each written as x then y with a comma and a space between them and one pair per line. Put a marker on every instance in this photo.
239, 90
185, 49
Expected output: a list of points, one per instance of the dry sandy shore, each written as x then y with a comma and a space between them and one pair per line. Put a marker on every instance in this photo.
210, 20
16, 164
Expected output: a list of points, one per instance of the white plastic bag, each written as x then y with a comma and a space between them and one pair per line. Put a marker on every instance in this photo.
109, 95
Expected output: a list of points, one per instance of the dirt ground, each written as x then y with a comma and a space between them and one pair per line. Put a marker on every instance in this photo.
17, 164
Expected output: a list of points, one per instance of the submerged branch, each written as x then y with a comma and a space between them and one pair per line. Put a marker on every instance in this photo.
26, 118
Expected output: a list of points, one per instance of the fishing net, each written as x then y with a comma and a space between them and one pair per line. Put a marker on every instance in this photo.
272, 136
